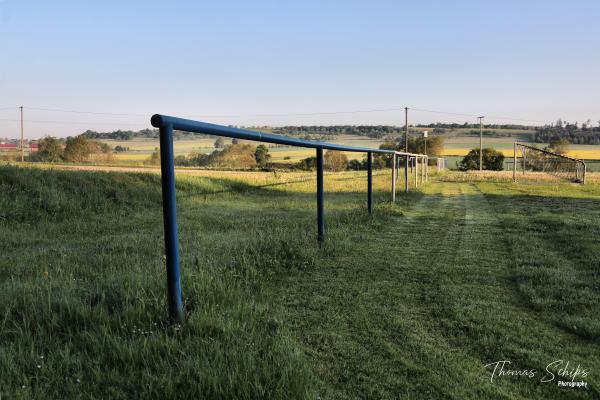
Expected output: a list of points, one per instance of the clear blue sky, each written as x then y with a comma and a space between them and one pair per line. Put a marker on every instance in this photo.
522, 59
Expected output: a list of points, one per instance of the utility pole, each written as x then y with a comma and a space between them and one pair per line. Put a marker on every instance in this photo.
22, 141
481, 143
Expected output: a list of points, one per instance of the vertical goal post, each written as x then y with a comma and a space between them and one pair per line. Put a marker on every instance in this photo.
546, 162
167, 124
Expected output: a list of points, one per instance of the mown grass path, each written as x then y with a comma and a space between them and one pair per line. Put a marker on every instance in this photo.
428, 302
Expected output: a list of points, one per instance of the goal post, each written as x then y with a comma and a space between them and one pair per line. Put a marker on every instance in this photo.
540, 163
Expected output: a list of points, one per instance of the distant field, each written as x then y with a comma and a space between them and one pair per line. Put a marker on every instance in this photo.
457, 143
140, 149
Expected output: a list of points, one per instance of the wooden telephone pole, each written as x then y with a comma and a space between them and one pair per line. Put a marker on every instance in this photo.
406, 129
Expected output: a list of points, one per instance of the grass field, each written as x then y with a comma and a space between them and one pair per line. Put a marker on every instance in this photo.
411, 303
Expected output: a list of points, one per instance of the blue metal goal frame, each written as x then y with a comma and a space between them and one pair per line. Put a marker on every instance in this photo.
166, 125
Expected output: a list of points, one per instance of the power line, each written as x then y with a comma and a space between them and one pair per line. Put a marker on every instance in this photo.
86, 112
224, 115
74, 122
477, 115
291, 114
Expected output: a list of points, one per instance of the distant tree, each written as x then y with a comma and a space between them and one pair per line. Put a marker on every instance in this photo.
435, 146
240, 156
181, 160
493, 160
308, 163
262, 156
197, 159
77, 149
219, 143
335, 160
378, 163
82, 149
386, 159
355, 165
50, 150
154, 159
559, 146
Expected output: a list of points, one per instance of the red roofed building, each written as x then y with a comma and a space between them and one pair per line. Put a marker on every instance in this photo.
8, 146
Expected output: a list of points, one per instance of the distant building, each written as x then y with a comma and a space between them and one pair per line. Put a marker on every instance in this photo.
31, 147
8, 147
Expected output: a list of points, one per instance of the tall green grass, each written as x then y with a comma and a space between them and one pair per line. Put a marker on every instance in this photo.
82, 295
412, 302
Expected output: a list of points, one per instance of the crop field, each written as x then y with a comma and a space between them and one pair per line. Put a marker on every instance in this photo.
412, 302
140, 149
457, 144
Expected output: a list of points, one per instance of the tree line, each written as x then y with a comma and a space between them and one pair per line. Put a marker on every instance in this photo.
467, 125
570, 132
74, 149
309, 132
372, 131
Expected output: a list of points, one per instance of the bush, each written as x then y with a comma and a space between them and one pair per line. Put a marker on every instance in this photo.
191, 160
50, 150
154, 159
233, 156
261, 155
560, 146
219, 143
356, 165
82, 149
335, 160
493, 160
308, 163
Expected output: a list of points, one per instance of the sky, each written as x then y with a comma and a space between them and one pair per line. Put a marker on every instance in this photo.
257, 62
